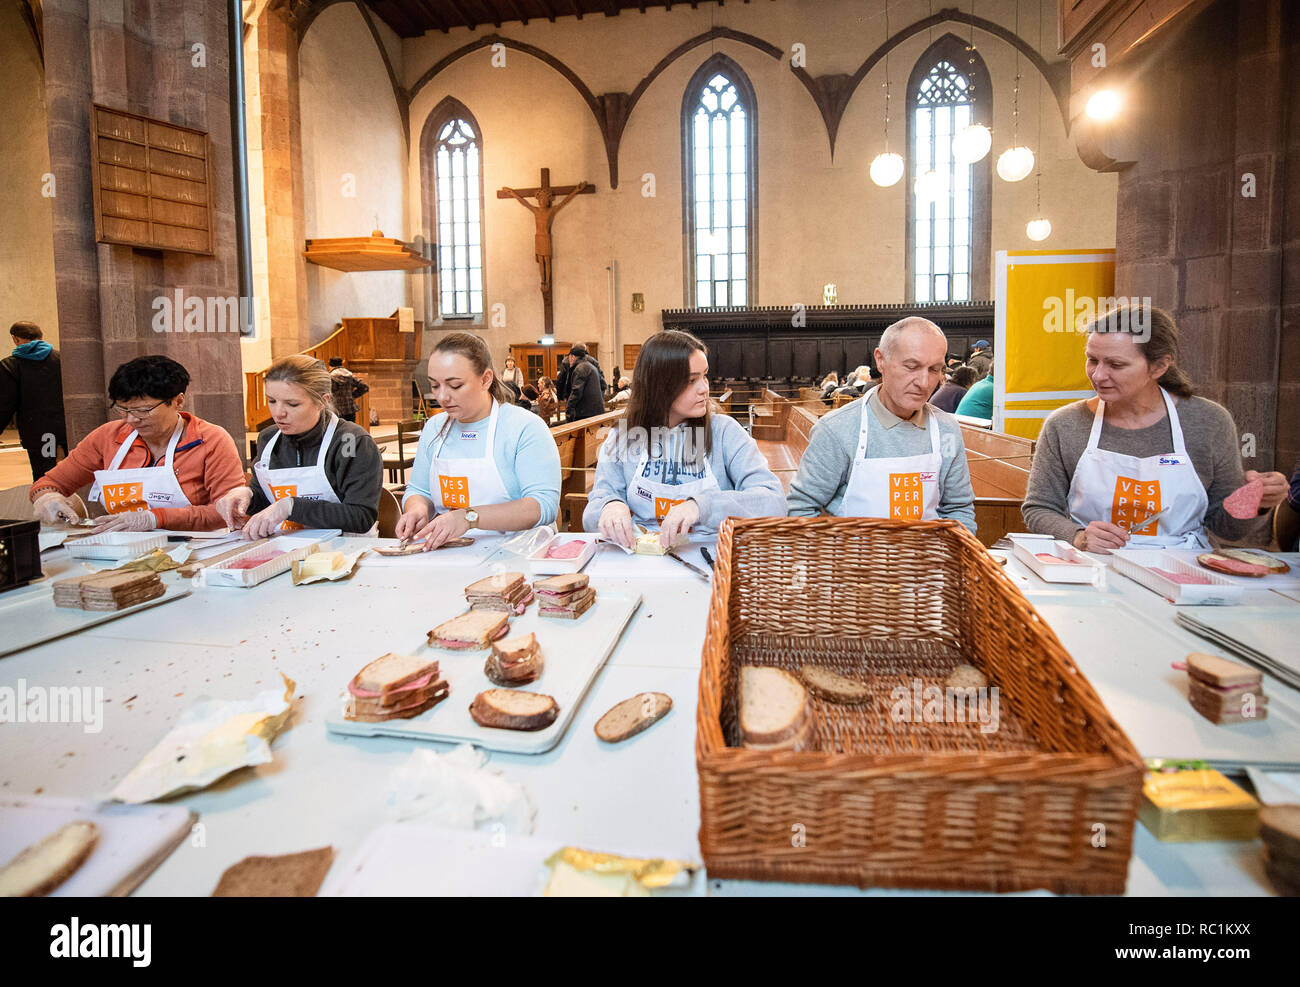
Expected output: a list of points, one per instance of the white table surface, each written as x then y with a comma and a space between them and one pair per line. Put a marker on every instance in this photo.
640, 797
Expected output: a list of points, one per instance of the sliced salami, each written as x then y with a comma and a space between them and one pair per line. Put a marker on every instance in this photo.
1243, 503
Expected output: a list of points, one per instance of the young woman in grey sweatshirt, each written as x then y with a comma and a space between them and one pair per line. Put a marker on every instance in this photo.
672, 463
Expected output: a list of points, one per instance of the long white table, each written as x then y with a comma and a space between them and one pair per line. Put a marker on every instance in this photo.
639, 797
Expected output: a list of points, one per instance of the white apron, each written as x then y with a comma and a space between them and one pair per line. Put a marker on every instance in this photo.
650, 500
1126, 490
303, 482
142, 488
897, 487
456, 484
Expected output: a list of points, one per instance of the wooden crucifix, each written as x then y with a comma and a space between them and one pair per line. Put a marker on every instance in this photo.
543, 212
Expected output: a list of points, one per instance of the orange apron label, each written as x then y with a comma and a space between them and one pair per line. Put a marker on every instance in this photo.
281, 492
124, 498
454, 490
905, 499
663, 505
1134, 501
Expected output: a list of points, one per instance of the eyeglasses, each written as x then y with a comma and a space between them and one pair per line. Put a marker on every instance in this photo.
139, 414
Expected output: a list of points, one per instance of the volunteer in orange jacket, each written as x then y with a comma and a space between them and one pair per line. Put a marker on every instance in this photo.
156, 466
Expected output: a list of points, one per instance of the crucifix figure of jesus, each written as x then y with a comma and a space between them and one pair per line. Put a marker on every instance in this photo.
543, 213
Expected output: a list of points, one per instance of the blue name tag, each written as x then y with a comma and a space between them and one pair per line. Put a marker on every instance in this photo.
469, 436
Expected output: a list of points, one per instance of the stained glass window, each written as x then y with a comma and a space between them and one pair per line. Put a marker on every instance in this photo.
460, 252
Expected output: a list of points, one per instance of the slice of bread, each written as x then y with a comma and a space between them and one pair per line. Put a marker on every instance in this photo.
515, 648
44, 865
561, 586
292, 875
1219, 562
500, 584
965, 677
631, 716
1252, 556
833, 687
774, 706
364, 714
801, 740
1214, 670
391, 672
473, 629
505, 709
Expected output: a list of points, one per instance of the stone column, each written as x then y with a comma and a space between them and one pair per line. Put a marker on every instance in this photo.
133, 57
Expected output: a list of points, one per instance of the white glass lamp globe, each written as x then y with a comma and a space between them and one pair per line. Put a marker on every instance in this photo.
1038, 229
971, 143
928, 186
887, 169
1015, 164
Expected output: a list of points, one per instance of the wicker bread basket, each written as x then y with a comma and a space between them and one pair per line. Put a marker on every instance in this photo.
880, 794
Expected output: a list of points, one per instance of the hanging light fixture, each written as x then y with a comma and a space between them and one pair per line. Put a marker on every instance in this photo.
929, 186
887, 167
1103, 105
974, 140
1016, 163
1039, 229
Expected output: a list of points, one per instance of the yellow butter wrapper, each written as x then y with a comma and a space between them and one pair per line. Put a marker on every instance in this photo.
648, 873
1195, 806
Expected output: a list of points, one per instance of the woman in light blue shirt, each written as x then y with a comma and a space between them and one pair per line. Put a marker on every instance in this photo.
484, 465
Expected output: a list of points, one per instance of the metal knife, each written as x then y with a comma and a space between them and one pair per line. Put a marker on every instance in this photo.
694, 568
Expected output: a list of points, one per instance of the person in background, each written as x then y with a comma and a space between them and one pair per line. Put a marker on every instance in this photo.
547, 402
31, 389
624, 392
311, 470
977, 402
857, 383
672, 461
890, 455
483, 464
156, 466
528, 399
513, 375
949, 395
586, 391
1144, 446
829, 383
981, 360
345, 388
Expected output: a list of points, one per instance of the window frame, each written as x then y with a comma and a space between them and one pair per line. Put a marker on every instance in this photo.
444, 113
952, 49
719, 64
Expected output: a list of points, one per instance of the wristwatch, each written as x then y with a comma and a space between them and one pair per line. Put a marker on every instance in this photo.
471, 518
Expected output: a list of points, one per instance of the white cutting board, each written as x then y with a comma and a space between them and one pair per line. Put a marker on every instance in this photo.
484, 547
133, 839
575, 651
32, 618
413, 860
1127, 659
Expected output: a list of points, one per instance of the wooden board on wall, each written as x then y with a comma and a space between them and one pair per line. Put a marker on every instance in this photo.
630, 352
151, 182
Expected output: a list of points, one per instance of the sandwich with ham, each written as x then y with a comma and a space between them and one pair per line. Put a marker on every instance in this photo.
508, 592
515, 661
395, 687
1225, 691
471, 631
565, 597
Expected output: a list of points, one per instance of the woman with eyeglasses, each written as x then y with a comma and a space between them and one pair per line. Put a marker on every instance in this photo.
154, 466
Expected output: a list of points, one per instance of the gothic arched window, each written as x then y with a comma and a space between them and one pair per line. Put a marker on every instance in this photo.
452, 168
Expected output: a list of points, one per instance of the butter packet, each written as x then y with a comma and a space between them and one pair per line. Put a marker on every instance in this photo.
212, 738
324, 565
1195, 804
159, 560
579, 873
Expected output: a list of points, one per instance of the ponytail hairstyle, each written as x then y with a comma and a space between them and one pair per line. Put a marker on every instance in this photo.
473, 349
306, 372
1155, 335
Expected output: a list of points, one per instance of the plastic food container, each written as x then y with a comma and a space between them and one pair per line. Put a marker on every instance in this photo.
116, 546
1036, 551
1150, 568
542, 566
234, 571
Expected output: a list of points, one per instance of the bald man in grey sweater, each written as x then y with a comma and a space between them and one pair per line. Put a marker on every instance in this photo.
910, 357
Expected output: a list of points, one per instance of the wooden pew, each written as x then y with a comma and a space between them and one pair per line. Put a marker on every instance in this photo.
999, 475
579, 443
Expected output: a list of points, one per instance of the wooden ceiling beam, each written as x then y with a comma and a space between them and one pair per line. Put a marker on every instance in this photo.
470, 20
519, 14
550, 11
434, 16
494, 12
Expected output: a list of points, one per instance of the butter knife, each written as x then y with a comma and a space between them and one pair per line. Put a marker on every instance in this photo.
694, 568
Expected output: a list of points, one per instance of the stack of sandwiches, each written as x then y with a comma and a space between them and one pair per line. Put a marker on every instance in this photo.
395, 687
470, 631
506, 591
775, 714
515, 661
565, 597
1225, 692
108, 590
